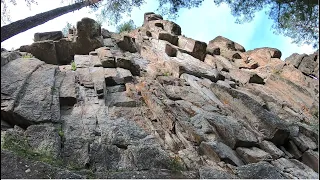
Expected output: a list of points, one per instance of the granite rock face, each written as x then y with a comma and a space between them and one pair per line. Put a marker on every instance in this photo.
152, 103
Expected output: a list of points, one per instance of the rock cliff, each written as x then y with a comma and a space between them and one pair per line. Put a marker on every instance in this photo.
153, 103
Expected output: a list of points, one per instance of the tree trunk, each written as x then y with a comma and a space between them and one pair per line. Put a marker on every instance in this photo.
20, 26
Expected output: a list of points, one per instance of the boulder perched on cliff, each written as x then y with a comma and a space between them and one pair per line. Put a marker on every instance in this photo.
52, 49
53, 35
225, 44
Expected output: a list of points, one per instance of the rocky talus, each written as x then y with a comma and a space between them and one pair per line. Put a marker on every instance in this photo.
152, 103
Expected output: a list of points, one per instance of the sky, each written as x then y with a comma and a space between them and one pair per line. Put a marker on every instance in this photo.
203, 23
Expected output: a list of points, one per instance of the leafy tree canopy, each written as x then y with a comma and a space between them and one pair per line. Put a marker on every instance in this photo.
126, 26
297, 19
65, 30
5, 11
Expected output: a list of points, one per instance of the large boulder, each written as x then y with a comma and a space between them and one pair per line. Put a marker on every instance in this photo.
265, 55
7, 56
53, 35
14, 166
308, 64
43, 50
260, 170
151, 16
225, 44
220, 151
193, 47
61, 51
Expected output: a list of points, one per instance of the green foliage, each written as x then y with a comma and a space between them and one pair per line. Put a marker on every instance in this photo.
19, 145
126, 26
170, 8
113, 11
175, 164
73, 66
167, 74
61, 133
27, 55
297, 19
5, 12
65, 30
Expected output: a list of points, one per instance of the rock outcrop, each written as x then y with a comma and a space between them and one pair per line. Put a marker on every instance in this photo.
52, 48
155, 104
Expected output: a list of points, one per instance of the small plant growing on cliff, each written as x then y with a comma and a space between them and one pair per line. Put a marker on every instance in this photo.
166, 74
175, 164
27, 55
73, 66
126, 26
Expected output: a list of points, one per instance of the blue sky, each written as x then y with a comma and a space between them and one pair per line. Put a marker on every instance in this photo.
203, 23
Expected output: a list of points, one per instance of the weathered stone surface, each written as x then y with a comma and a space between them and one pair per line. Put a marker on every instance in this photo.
292, 168
43, 50
36, 103
213, 50
76, 152
264, 55
274, 129
225, 44
304, 142
149, 174
307, 64
219, 151
88, 36
53, 35
5, 125
272, 149
117, 88
82, 61
142, 161
95, 61
210, 173
88, 28
253, 155
186, 64
128, 63
108, 42
224, 83
7, 56
232, 55
293, 149
163, 35
85, 77
244, 77
295, 59
196, 49
116, 76
233, 133
260, 170
311, 159
68, 95
98, 80
170, 50
15, 167
127, 44
44, 139
150, 16
120, 99
14, 76
108, 62
64, 51
105, 33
